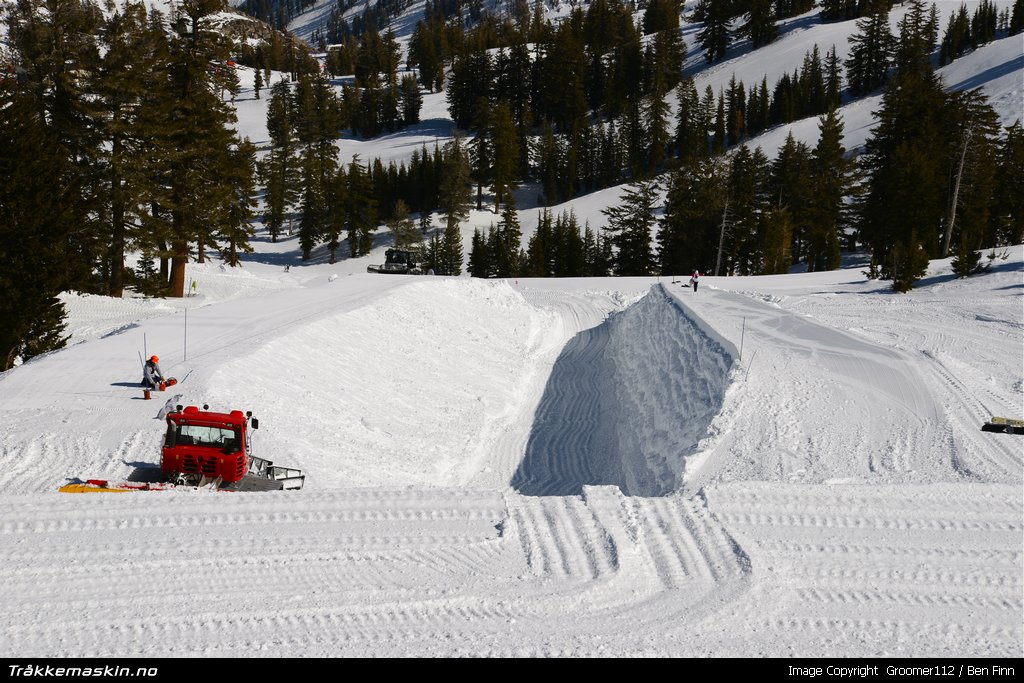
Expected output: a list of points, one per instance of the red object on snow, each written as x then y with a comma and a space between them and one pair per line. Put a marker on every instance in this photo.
206, 443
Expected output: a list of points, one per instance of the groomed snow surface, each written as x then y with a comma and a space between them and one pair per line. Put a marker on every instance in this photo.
770, 466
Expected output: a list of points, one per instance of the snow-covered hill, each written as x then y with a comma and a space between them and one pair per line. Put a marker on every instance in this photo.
779, 466
996, 68
782, 466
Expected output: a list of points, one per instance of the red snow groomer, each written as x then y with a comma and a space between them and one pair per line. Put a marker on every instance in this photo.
203, 448
208, 450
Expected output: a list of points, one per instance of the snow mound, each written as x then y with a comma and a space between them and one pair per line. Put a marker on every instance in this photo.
458, 361
626, 403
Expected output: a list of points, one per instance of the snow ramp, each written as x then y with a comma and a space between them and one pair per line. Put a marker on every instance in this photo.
626, 403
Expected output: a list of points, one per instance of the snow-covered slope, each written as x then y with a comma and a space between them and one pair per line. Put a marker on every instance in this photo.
771, 466
995, 67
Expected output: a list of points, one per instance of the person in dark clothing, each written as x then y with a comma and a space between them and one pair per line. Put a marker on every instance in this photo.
152, 375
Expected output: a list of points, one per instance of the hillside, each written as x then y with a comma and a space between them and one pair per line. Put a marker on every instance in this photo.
779, 466
771, 466
994, 67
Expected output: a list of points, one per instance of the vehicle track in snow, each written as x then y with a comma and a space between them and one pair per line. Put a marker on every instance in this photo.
727, 569
341, 569
998, 457
900, 556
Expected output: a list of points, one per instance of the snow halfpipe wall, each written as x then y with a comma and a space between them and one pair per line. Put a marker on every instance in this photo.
626, 403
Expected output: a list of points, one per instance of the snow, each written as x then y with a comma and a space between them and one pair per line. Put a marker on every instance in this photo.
770, 466
774, 466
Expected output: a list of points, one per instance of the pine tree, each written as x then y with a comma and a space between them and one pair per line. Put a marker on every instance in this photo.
238, 178
41, 201
54, 43
688, 234
424, 56
506, 154
479, 256
454, 191
789, 190
718, 143
558, 81
971, 158
403, 230
201, 137
450, 253
512, 83
812, 84
842, 10
622, 81
146, 278
735, 112
905, 194
360, 209
761, 25
597, 253
871, 48
967, 262
957, 37
714, 36
776, 241
316, 128
830, 181
569, 251
279, 170
748, 200
314, 213
758, 109
505, 259
917, 34
691, 127
471, 78
833, 80
790, 8
434, 256
1007, 216
1017, 18
481, 149
667, 50
656, 124
983, 23
548, 164
539, 250
120, 84
412, 100
906, 263
630, 224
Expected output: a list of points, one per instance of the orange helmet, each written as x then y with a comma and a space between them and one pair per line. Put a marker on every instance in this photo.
154, 359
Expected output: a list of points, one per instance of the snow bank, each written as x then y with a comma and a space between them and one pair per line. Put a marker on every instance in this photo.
626, 403
333, 402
